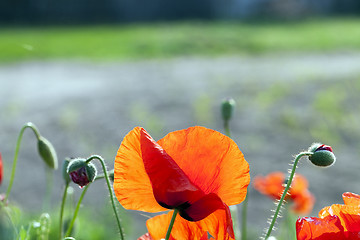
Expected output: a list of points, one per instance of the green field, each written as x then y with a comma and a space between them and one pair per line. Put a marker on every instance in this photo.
165, 40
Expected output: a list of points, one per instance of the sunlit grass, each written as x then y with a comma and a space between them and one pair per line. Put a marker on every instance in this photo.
164, 40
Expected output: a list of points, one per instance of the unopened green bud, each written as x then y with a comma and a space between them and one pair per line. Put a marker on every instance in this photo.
47, 152
322, 156
81, 172
227, 108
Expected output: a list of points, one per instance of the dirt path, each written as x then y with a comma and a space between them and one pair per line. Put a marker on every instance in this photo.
87, 107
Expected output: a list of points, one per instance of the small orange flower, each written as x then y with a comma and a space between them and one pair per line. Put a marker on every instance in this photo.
337, 222
198, 171
273, 185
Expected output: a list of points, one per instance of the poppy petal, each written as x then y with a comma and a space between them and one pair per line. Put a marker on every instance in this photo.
271, 185
215, 224
202, 208
351, 199
182, 229
211, 160
349, 215
299, 185
311, 228
171, 186
219, 225
130, 177
146, 236
303, 203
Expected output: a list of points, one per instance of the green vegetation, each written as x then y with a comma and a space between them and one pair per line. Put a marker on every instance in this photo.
164, 40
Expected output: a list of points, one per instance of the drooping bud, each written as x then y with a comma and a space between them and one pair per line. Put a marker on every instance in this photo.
81, 172
47, 152
227, 108
65, 175
322, 156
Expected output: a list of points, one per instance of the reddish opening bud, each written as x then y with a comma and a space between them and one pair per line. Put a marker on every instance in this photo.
81, 172
322, 156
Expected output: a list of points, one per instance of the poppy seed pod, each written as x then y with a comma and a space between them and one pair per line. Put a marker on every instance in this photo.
322, 156
47, 152
227, 108
81, 172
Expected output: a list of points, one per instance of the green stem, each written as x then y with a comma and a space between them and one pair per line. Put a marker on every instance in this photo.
101, 160
227, 128
235, 207
76, 211
37, 133
62, 210
171, 224
49, 187
297, 158
243, 218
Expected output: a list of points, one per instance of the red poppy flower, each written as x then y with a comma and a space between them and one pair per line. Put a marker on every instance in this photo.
147, 236
273, 185
337, 222
1, 169
198, 171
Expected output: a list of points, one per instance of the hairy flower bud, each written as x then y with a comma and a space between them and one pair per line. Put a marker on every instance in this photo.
322, 156
227, 108
47, 152
81, 172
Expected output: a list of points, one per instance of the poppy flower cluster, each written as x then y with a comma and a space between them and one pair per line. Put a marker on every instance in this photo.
273, 186
336, 222
197, 171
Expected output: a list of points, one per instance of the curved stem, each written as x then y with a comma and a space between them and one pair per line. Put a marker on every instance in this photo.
76, 211
101, 160
171, 224
243, 218
62, 210
297, 158
12, 177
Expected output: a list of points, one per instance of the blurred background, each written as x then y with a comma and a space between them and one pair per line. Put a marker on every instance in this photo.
87, 72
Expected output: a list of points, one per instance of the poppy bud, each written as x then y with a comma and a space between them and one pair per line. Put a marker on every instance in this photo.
322, 156
227, 108
81, 172
47, 152
65, 175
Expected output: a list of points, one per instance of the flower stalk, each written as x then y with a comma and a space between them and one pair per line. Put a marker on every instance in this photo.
292, 173
171, 224
101, 160
17, 148
76, 211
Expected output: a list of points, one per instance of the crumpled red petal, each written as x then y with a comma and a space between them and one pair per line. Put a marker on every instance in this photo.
312, 228
171, 187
